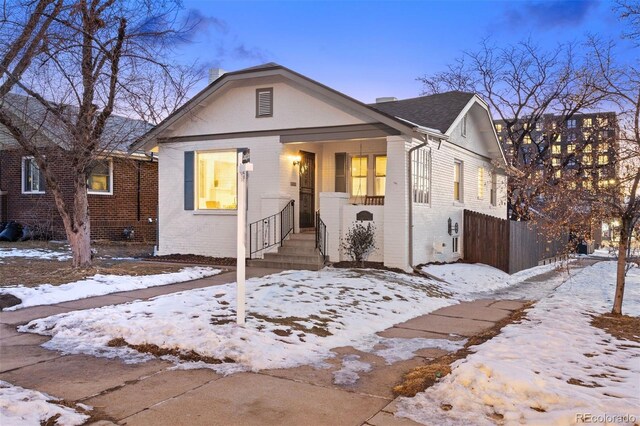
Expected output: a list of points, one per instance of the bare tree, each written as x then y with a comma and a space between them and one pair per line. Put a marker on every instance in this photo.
78, 63
522, 84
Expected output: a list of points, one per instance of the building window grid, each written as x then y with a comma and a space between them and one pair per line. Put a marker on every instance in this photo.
421, 171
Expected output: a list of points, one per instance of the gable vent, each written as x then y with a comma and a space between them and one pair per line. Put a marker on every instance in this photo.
264, 102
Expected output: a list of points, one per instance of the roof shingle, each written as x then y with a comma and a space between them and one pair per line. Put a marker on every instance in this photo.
434, 111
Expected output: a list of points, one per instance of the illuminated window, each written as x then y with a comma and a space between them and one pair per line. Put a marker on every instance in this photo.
457, 180
587, 160
555, 162
527, 140
587, 184
100, 178
32, 179
588, 149
571, 148
421, 173
587, 122
553, 125
586, 135
380, 174
558, 174
572, 185
603, 147
602, 121
480, 182
498, 128
603, 159
217, 180
359, 165
556, 149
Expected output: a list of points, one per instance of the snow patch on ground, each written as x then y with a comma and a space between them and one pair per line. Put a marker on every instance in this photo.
99, 285
351, 366
548, 368
19, 406
35, 254
294, 318
399, 349
467, 279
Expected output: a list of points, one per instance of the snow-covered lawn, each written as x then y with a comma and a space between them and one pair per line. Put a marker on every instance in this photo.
294, 318
43, 254
19, 406
99, 285
547, 369
472, 278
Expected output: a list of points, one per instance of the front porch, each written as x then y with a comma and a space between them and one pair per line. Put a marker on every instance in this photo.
339, 182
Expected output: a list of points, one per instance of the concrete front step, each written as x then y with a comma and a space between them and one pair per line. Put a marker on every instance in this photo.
306, 236
297, 250
297, 258
285, 265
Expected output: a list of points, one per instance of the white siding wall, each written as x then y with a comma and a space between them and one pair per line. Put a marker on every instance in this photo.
430, 221
201, 232
233, 110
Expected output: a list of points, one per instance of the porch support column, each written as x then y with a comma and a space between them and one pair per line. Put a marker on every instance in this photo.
396, 204
331, 211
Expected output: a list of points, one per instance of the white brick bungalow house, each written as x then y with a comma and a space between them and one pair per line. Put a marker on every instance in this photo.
409, 165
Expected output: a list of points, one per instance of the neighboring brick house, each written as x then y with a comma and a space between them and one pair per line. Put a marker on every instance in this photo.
123, 190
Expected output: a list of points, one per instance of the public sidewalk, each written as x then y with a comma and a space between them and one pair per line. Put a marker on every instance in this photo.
152, 393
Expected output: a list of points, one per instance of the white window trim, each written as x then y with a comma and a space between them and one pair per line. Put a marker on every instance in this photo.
460, 200
196, 173
22, 176
110, 191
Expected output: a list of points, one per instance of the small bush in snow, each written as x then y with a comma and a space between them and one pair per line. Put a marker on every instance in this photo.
359, 242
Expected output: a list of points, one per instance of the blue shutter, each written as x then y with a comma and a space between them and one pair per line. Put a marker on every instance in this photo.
188, 179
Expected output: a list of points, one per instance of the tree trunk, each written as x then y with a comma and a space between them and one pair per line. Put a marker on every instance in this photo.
622, 263
79, 229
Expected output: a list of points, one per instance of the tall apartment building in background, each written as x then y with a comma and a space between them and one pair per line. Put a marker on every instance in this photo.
586, 142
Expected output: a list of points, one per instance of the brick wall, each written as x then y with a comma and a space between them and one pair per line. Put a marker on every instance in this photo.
110, 214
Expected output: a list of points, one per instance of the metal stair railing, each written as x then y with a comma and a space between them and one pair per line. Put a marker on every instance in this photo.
271, 230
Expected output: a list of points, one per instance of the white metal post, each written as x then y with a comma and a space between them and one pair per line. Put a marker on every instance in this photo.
241, 248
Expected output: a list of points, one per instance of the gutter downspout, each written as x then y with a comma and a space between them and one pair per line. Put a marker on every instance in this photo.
410, 186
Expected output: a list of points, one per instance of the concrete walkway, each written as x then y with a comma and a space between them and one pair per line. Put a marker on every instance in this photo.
149, 393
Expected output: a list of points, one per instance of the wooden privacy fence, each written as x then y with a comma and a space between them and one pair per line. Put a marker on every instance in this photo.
507, 245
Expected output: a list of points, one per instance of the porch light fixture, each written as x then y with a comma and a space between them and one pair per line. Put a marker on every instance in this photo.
296, 160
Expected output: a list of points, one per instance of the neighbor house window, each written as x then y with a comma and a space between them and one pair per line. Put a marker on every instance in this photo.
571, 124
457, 181
264, 102
100, 178
498, 128
587, 122
586, 160
32, 179
421, 174
480, 183
571, 148
380, 174
217, 180
603, 159
556, 149
555, 162
588, 148
603, 147
603, 122
359, 165
527, 140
